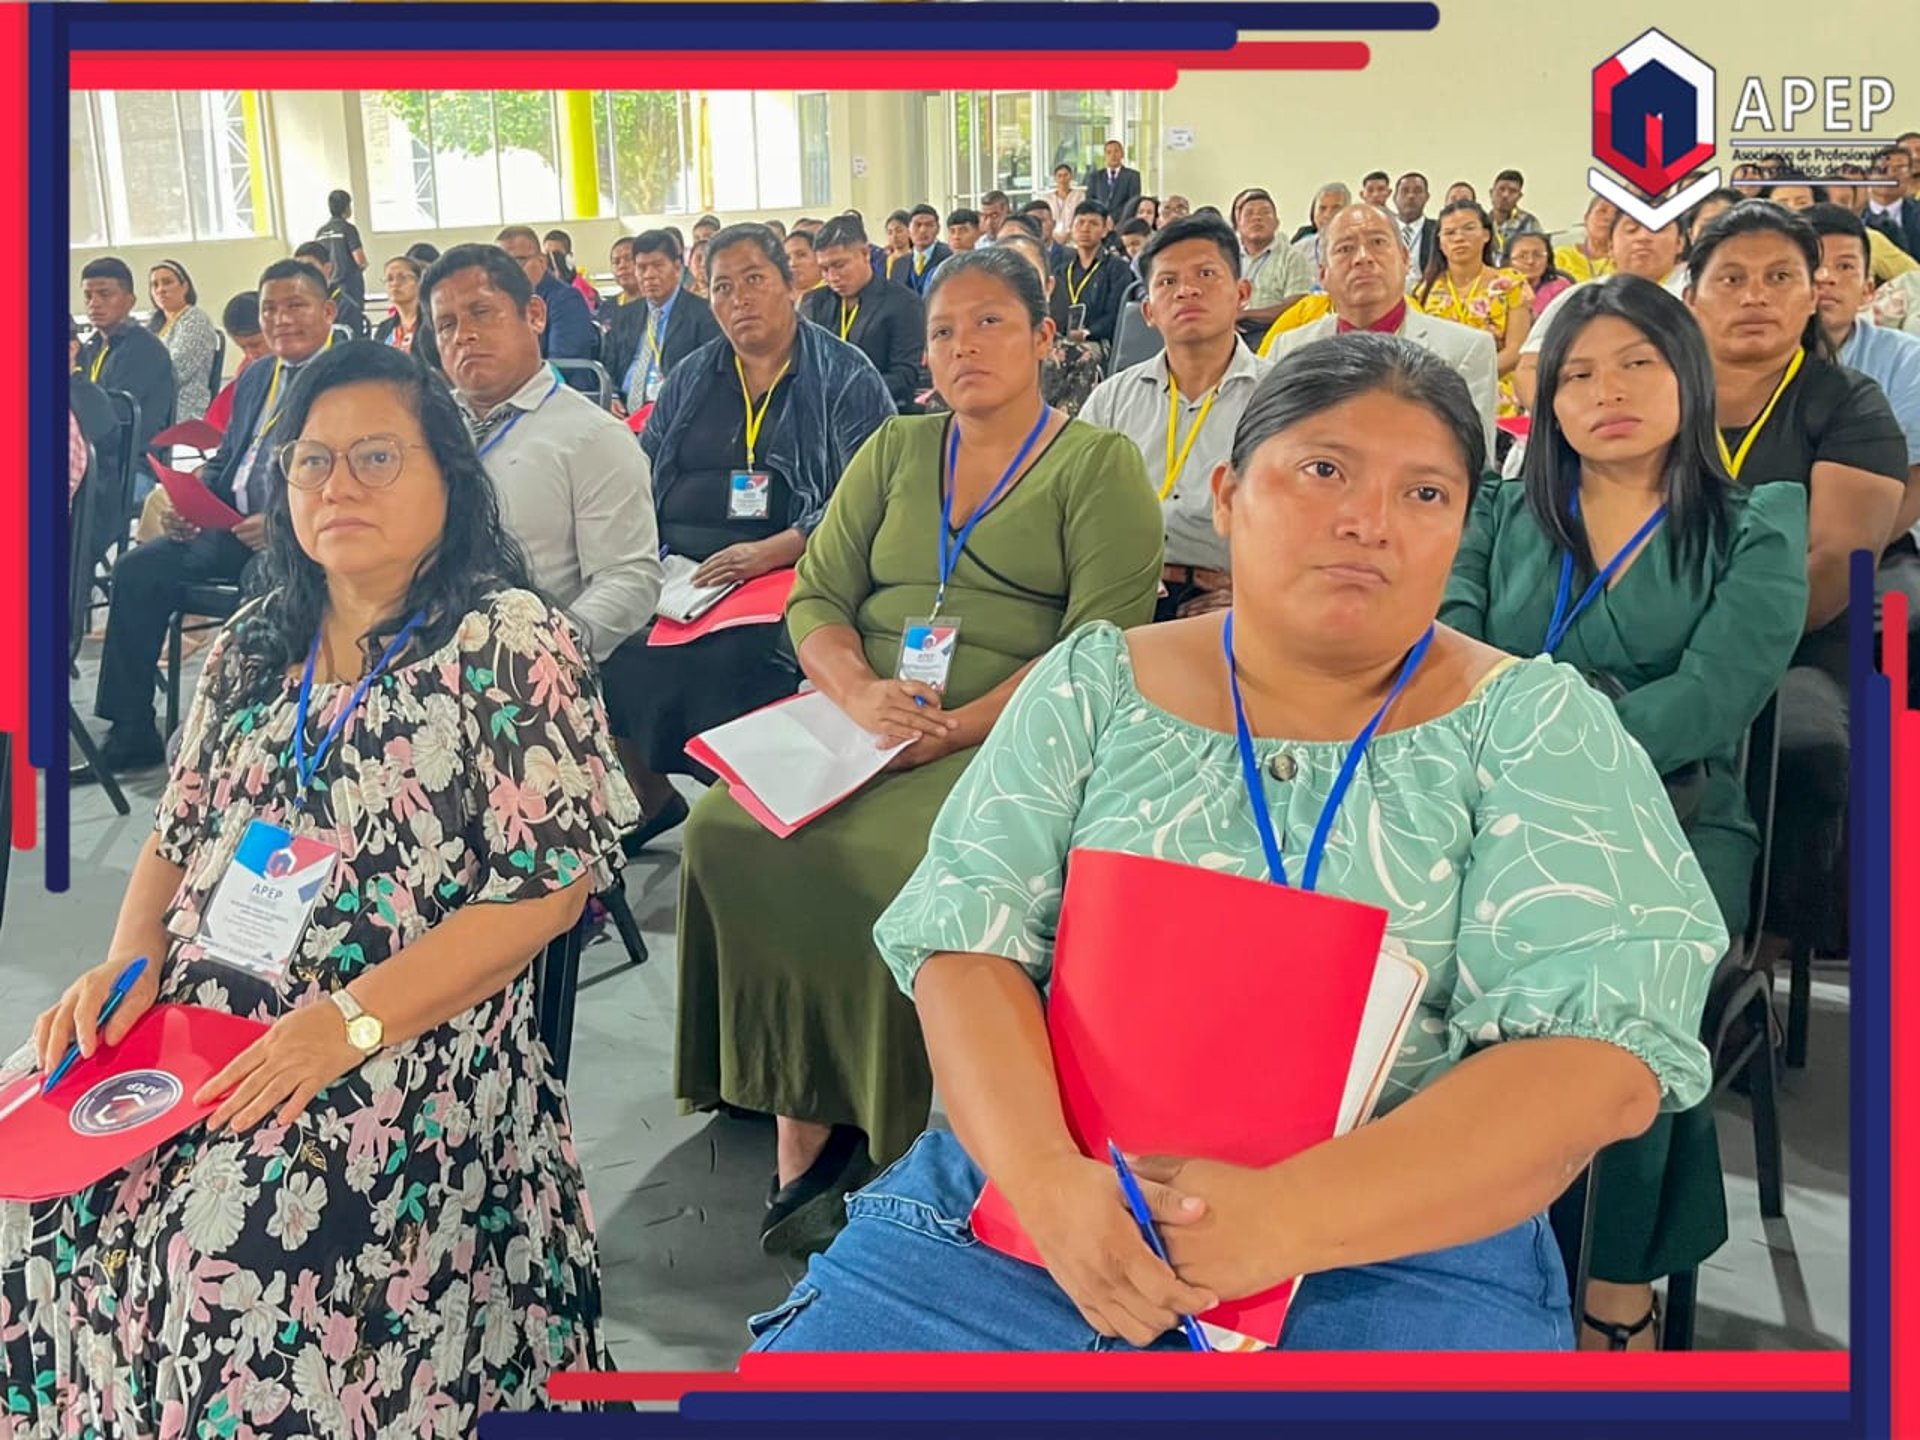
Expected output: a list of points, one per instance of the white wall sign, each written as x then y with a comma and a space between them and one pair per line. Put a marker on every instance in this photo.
1180, 137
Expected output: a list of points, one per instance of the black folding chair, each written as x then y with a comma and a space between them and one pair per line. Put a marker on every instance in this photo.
120, 485
216, 600
593, 370
1133, 339
556, 983
217, 370
95, 510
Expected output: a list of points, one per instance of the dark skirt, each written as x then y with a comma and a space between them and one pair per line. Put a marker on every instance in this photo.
661, 697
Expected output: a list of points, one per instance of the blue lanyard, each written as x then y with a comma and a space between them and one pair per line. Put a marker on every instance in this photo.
1250, 767
1563, 618
306, 766
501, 433
951, 544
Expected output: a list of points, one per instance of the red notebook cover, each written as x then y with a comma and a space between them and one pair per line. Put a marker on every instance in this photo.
194, 434
1518, 426
191, 499
1195, 1013
109, 1110
760, 601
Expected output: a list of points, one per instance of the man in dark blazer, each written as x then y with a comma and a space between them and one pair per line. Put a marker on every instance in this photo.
646, 339
297, 317
1418, 231
570, 333
1116, 187
124, 355
1890, 210
929, 250
885, 321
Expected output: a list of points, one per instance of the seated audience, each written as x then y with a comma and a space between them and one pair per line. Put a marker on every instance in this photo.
1889, 261
241, 320
995, 207
807, 402
92, 414
569, 332
1890, 209
346, 253
899, 248
1531, 255
1200, 384
402, 275
1376, 188
559, 247
1788, 414
804, 261
297, 317
1591, 256
573, 487
1090, 284
620, 261
1628, 552
1460, 190
423, 251
1071, 369
124, 355
887, 323
402, 1062
695, 280
1052, 525
1463, 284
1062, 202
1277, 274
348, 313
1365, 280
645, 341
1654, 255
1134, 236
705, 228
1508, 219
1175, 207
1565, 982
927, 249
1328, 201
963, 230
190, 338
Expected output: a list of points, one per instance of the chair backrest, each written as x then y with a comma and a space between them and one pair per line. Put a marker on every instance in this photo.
1760, 765
593, 369
126, 414
219, 366
1133, 339
556, 979
89, 517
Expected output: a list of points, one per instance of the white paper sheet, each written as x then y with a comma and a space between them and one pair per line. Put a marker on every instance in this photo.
801, 756
682, 600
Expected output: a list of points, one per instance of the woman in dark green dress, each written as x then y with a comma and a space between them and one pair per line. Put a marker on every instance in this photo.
1626, 551
1040, 524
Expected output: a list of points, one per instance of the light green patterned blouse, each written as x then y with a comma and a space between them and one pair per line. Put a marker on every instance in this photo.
1522, 845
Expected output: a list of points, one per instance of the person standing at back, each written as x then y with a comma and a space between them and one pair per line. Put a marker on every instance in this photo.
345, 251
1115, 187
347, 312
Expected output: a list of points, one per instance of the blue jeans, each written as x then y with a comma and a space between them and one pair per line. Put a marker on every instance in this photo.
907, 1275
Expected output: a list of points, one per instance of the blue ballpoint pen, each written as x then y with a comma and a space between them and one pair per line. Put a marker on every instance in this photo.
1137, 1203
125, 983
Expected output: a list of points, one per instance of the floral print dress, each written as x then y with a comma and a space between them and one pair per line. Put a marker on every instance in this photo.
1485, 305
416, 1248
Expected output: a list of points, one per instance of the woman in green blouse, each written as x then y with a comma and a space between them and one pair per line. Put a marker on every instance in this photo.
1567, 964
1698, 595
784, 1007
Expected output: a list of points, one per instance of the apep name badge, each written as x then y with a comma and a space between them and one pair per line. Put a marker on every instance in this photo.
750, 495
262, 904
926, 651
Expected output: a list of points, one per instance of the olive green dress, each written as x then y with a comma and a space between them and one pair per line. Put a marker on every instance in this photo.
1697, 649
785, 1006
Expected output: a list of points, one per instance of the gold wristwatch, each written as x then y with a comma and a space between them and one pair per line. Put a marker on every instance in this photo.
364, 1032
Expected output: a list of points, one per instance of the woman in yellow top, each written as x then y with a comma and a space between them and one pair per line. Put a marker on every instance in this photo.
1592, 258
1462, 284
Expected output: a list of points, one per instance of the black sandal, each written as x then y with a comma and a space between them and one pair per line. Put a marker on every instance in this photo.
1619, 1335
804, 1216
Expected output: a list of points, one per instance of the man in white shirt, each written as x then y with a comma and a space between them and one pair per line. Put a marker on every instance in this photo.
573, 484
1364, 271
1182, 407
1277, 275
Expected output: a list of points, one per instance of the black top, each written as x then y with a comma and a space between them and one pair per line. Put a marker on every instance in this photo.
343, 239
692, 510
888, 325
136, 362
1100, 287
348, 312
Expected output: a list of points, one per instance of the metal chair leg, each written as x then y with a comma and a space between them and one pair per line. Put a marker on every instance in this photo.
1763, 1096
622, 915
91, 754
1676, 1329
1799, 1002
557, 978
175, 631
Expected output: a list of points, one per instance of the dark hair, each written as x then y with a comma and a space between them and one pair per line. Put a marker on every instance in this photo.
1414, 175
900, 215
1191, 227
713, 220
562, 236
424, 252
1373, 175
996, 197
516, 232
159, 317
295, 270
1514, 175
1037, 206
241, 315
412, 265
1136, 227
1696, 480
473, 557
1022, 239
618, 242
1247, 197
108, 267
963, 217
1010, 270
1887, 153
805, 237
778, 227
1795, 180
1437, 260
1318, 376
839, 231
1026, 223
1553, 271
656, 242
678, 238
1763, 217
1064, 165
1726, 195
1829, 219
922, 209
1091, 207
316, 251
561, 268
339, 202
503, 272
758, 236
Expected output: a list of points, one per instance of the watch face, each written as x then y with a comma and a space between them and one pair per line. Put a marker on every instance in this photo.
364, 1033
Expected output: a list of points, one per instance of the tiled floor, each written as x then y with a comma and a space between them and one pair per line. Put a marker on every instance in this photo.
677, 1198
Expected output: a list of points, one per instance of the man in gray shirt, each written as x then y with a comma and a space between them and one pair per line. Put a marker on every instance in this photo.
574, 486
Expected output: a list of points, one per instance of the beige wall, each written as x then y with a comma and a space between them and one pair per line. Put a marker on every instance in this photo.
1477, 95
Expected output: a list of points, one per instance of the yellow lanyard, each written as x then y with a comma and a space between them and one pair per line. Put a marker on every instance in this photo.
755, 421
653, 344
1073, 294
1453, 297
93, 374
920, 262
890, 260
1177, 463
1735, 459
847, 317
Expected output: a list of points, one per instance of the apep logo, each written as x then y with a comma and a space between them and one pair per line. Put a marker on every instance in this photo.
136, 1098
1653, 119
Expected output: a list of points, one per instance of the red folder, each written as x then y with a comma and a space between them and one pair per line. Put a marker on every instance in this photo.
194, 434
760, 601
192, 501
1195, 1013
125, 1101
637, 420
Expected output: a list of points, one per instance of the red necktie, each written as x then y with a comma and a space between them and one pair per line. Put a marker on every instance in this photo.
1387, 324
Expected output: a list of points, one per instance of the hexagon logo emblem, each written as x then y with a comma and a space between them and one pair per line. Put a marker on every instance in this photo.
1653, 126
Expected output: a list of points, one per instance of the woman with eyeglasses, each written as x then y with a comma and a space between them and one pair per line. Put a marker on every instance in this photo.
384, 1216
